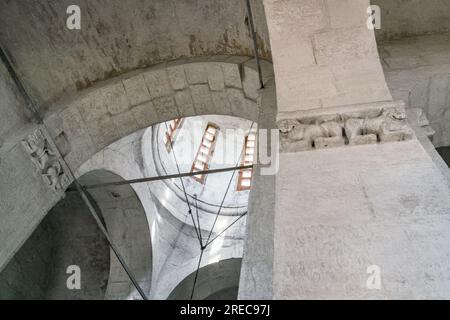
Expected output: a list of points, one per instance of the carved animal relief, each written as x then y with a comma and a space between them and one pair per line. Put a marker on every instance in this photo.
46, 160
341, 129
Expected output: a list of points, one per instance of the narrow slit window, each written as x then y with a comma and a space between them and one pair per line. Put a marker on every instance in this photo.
169, 137
248, 157
205, 152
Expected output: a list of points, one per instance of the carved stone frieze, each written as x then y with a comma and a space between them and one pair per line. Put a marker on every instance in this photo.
46, 160
334, 130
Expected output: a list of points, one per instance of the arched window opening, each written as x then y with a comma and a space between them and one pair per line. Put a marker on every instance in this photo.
248, 156
205, 152
169, 137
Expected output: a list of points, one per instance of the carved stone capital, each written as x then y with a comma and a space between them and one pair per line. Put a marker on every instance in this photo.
45, 157
355, 125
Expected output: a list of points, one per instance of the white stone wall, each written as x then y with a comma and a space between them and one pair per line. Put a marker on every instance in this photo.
323, 53
385, 205
417, 71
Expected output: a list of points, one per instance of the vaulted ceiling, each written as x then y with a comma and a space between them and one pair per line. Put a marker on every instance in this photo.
118, 36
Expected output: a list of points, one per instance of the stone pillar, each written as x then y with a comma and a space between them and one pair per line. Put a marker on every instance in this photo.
257, 263
324, 55
361, 210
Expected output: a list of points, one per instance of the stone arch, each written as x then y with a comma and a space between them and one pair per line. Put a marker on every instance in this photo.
126, 222
84, 124
219, 280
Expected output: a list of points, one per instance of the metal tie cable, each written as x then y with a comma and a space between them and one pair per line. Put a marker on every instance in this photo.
196, 273
198, 221
226, 191
208, 242
184, 188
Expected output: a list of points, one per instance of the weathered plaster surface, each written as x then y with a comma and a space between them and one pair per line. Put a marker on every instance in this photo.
117, 37
385, 205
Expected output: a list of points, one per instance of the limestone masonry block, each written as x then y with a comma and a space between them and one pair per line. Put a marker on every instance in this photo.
396, 136
157, 83
344, 45
115, 98
305, 17
347, 13
251, 83
82, 148
349, 75
311, 83
221, 103
73, 123
196, 73
145, 114
251, 111
364, 139
202, 98
177, 77
103, 131
295, 146
185, 103
125, 123
357, 95
92, 106
215, 77
54, 124
63, 144
298, 48
136, 90
232, 75
166, 108
237, 101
